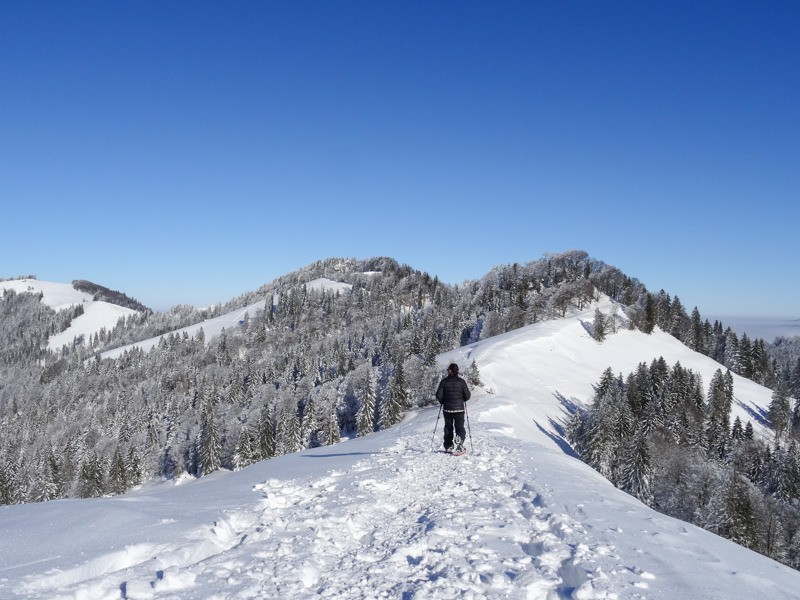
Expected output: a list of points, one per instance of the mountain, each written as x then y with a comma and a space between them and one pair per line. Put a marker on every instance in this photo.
96, 314
214, 326
383, 515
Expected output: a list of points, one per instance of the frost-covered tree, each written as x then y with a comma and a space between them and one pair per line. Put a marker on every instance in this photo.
265, 435
599, 326
210, 446
396, 400
720, 401
365, 418
118, 474
742, 526
636, 471
245, 453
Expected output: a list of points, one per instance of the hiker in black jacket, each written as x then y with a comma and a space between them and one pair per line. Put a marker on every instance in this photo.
453, 394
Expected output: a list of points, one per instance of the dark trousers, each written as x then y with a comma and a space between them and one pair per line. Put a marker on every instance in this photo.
451, 420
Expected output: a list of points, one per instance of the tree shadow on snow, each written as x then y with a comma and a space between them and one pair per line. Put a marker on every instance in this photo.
335, 454
758, 414
558, 438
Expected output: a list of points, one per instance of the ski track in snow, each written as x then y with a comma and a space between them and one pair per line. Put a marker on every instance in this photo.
401, 523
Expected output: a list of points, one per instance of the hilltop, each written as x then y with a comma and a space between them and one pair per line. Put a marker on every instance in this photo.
95, 311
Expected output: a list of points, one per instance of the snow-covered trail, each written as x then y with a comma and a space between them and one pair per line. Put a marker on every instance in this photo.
407, 524
402, 522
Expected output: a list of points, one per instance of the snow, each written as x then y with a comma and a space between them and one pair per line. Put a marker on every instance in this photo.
96, 315
388, 516
325, 284
211, 328
57, 296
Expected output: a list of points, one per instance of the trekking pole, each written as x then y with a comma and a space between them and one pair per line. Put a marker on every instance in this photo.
433, 437
466, 414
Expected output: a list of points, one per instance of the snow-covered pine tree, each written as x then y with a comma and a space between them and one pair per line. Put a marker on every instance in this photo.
742, 526
636, 471
265, 434
117, 474
780, 411
90, 477
599, 326
309, 425
365, 417
210, 446
245, 453
396, 399
718, 413
473, 375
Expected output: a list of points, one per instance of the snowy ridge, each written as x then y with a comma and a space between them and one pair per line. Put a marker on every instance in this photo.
96, 315
214, 326
387, 516
57, 296
211, 328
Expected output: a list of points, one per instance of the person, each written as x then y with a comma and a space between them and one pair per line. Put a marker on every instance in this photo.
453, 394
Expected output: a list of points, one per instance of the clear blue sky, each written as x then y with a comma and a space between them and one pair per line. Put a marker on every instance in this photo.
186, 152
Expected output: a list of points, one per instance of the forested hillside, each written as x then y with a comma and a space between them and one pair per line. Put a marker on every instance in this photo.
320, 363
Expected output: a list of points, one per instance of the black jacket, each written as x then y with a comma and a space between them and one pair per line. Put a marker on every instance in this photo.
452, 393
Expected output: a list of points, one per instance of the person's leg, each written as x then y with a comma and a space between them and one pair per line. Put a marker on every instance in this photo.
448, 430
459, 427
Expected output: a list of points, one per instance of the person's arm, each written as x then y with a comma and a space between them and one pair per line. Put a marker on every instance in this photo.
440, 392
466, 390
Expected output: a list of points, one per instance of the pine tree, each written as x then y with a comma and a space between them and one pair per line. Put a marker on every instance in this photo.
265, 437
10, 485
610, 422
117, 475
720, 401
697, 338
599, 326
780, 411
133, 467
396, 401
90, 477
636, 469
210, 446
365, 418
309, 426
245, 453
333, 434
649, 321
742, 524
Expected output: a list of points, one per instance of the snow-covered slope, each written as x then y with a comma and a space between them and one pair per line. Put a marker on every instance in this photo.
96, 316
385, 516
59, 296
211, 328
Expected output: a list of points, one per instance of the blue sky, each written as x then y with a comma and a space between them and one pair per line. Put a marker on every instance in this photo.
187, 152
